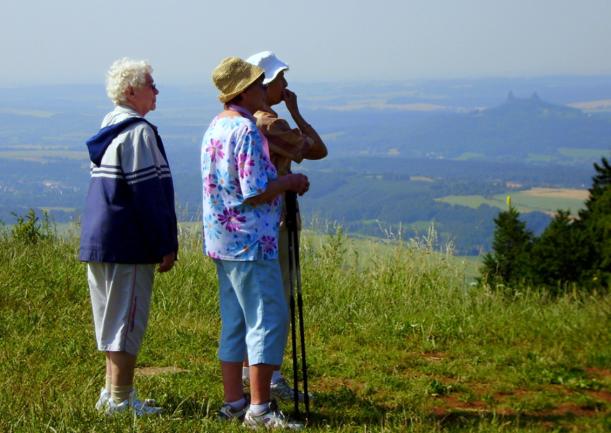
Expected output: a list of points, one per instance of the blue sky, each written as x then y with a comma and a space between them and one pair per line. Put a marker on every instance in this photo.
70, 41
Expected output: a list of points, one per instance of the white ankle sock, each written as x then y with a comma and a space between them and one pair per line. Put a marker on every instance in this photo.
108, 383
258, 409
120, 393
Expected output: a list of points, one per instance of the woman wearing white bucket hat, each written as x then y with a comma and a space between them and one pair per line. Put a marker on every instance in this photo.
286, 144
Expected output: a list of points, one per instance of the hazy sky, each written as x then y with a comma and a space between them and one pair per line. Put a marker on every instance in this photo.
74, 41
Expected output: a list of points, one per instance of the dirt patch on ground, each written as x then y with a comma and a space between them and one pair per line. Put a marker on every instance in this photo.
454, 404
545, 405
598, 373
548, 418
331, 384
577, 194
434, 356
350, 391
600, 395
504, 404
156, 371
569, 409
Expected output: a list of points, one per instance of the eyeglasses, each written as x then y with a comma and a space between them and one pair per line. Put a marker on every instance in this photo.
153, 87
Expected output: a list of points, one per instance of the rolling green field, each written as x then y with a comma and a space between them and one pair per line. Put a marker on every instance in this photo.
523, 201
398, 340
472, 201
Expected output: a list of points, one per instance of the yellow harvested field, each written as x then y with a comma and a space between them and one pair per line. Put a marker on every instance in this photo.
421, 179
598, 104
577, 194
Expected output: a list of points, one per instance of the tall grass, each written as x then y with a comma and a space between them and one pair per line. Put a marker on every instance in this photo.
396, 342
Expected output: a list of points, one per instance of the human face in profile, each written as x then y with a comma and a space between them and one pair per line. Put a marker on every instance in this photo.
275, 89
253, 98
143, 99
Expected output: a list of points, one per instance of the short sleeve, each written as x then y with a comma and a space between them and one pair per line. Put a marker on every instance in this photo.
251, 162
283, 140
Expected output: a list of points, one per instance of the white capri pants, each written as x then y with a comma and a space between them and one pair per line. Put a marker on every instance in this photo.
120, 299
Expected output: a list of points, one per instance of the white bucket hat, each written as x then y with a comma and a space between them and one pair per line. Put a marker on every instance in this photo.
271, 64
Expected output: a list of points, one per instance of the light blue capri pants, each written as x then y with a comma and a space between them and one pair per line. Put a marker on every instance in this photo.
254, 312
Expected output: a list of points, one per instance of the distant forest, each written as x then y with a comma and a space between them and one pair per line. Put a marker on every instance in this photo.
387, 164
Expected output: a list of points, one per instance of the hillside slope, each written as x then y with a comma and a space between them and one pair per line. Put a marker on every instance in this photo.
396, 340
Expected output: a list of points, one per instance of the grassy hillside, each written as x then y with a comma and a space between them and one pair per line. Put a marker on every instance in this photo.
397, 341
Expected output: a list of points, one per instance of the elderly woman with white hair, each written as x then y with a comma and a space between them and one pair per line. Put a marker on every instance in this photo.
128, 226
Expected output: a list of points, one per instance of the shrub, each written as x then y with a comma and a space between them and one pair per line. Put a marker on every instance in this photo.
30, 229
508, 261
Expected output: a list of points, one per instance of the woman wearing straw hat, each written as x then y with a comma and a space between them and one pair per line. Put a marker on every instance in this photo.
241, 213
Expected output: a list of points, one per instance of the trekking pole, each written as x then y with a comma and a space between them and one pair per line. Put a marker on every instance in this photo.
291, 210
304, 366
291, 221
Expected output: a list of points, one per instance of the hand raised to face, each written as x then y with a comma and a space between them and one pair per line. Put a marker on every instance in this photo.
290, 99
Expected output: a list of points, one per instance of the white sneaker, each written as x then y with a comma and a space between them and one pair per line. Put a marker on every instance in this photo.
272, 418
281, 390
140, 408
103, 400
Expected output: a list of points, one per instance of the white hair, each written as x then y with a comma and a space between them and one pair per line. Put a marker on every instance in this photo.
125, 73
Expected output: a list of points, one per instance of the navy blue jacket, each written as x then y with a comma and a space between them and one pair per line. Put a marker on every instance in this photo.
129, 215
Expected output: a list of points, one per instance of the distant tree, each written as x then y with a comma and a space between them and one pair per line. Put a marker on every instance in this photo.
508, 263
595, 224
600, 185
567, 252
559, 255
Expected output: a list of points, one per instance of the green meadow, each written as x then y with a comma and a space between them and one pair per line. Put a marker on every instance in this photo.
398, 340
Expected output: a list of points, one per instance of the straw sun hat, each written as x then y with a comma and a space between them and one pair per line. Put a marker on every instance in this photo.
233, 75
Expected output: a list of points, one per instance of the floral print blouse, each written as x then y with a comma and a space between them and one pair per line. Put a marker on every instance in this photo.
235, 166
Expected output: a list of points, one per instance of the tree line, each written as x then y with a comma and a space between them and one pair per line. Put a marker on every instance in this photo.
571, 252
